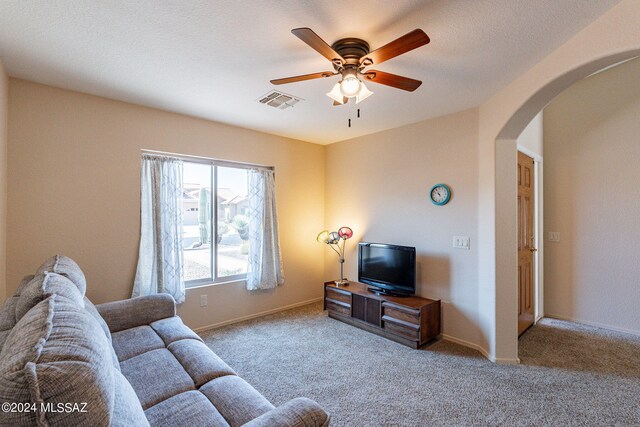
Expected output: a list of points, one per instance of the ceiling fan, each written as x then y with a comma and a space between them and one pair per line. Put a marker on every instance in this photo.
350, 56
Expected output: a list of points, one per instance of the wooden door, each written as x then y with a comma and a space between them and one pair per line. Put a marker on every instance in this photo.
526, 242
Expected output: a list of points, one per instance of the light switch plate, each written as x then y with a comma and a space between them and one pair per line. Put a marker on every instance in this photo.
554, 236
203, 300
461, 242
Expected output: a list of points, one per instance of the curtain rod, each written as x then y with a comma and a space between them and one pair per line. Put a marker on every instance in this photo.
209, 160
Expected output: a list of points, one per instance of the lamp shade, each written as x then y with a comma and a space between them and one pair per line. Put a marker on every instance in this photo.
363, 93
345, 233
336, 95
323, 236
334, 238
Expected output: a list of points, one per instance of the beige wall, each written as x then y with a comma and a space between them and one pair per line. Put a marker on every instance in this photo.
379, 184
592, 149
4, 111
74, 165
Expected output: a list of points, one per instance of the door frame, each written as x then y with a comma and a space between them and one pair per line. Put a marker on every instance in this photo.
538, 211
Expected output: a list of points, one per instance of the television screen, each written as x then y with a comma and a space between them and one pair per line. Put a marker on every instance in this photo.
390, 268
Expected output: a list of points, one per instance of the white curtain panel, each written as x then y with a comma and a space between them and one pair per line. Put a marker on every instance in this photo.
160, 266
265, 262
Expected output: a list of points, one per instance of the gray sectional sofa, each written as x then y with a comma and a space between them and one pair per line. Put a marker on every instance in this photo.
66, 362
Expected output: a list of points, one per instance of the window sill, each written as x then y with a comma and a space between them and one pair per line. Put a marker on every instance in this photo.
204, 285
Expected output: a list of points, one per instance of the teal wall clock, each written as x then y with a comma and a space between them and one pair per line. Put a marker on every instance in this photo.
440, 194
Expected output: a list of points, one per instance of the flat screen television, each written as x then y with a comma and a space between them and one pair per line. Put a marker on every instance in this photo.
388, 269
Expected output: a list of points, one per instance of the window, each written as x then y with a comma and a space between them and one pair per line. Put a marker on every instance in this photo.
214, 194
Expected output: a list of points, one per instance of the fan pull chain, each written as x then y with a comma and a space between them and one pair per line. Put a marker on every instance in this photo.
357, 116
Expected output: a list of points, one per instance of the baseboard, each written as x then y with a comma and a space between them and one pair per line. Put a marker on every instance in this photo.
595, 324
255, 315
501, 361
467, 344
480, 350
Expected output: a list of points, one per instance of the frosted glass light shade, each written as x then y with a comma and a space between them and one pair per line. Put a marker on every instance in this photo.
333, 238
350, 86
363, 93
336, 95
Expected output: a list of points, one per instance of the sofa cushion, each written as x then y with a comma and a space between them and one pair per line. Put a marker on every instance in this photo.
127, 410
188, 409
44, 285
8, 311
235, 399
91, 309
67, 267
3, 337
8, 314
172, 329
202, 364
23, 283
57, 353
135, 341
156, 376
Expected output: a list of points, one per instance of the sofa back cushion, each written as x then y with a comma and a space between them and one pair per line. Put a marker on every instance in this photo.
67, 267
57, 353
8, 312
93, 312
42, 286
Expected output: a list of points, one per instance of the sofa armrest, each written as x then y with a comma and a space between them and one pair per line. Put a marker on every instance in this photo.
138, 311
297, 412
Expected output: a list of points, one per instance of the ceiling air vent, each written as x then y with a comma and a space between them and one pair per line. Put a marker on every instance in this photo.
279, 100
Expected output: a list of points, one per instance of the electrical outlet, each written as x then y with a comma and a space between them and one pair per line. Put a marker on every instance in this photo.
203, 300
554, 236
461, 242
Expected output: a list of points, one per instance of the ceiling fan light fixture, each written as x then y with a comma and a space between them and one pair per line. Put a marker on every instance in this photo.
336, 94
363, 93
350, 56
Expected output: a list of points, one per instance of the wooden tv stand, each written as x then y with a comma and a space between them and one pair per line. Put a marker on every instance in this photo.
412, 321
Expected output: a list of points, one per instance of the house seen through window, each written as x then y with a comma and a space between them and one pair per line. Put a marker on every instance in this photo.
214, 195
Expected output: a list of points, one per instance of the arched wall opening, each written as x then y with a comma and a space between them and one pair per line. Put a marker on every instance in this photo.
506, 185
613, 38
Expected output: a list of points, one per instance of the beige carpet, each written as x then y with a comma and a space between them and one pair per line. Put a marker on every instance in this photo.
571, 375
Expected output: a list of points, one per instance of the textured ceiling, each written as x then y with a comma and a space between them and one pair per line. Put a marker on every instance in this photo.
213, 59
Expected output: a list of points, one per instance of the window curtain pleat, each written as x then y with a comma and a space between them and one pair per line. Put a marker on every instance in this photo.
265, 262
160, 263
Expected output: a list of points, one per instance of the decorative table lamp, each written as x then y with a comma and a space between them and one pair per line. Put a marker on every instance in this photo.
333, 239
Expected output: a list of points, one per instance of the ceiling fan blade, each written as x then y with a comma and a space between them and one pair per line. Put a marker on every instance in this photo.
404, 44
393, 80
303, 77
312, 39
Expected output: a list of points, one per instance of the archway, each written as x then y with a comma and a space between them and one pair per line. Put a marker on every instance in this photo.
612, 38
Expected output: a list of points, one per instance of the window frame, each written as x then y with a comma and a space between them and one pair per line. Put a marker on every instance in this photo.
214, 163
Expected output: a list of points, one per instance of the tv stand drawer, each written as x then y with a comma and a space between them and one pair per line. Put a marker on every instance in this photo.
339, 295
395, 312
405, 329
338, 307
